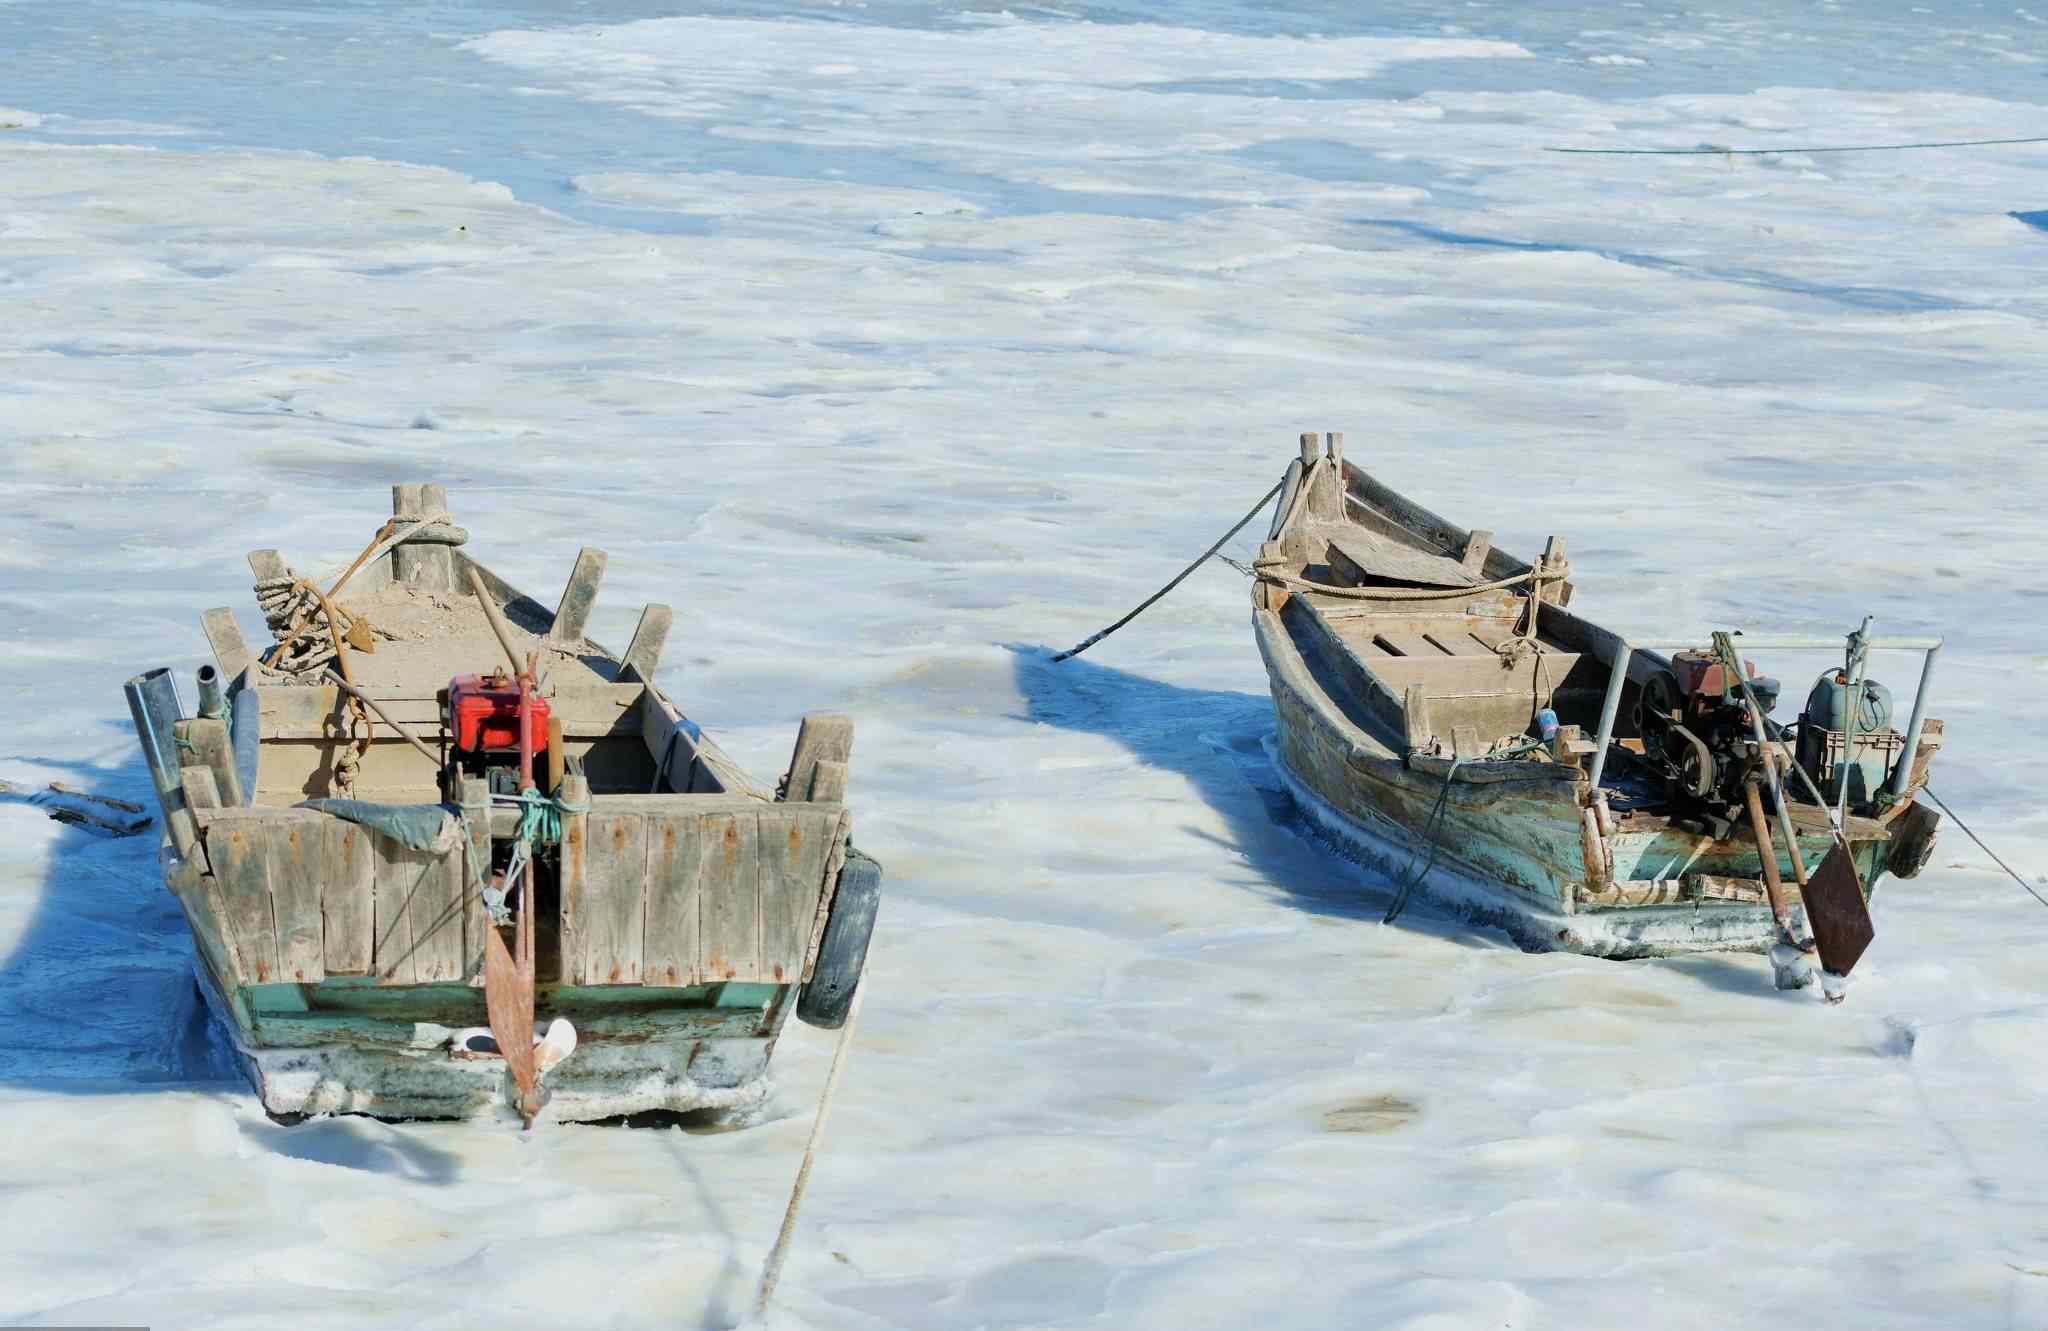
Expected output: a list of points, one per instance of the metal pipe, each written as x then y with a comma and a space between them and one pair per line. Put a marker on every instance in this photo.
1745, 642
1904, 771
246, 732
1731, 661
212, 705
1609, 709
153, 702
1860, 639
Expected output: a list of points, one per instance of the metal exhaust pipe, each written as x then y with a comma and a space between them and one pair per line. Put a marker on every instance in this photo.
212, 704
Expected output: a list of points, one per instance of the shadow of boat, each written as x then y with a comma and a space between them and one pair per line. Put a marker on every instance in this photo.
97, 994
1214, 738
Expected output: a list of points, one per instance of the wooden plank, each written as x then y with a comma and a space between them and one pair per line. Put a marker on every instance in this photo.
1478, 545
669, 743
794, 843
296, 849
1363, 556
212, 748
1421, 731
436, 907
303, 712
1409, 644
572, 612
1475, 676
828, 783
729, 896
575, 880
675, 855
612, 915
714, 771
201, 792
643, 657
225, 637
267, 564
822, 736
1456, 642
241, 866
476, 812
399, 872
347, 897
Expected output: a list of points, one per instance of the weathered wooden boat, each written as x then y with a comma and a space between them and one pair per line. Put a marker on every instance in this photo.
1446, 718
434, 816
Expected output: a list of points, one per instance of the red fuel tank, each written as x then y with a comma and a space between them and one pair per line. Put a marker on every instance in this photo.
483, 714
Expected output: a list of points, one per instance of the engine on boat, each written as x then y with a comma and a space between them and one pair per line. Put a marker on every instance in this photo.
1696, 728
483, 728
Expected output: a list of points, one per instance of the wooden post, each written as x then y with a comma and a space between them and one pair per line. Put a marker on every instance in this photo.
225, 637
1478, 546
212, 749
823, 736
828, 782
1311, 448
1555, 592
1335, 441
575, 876
429, 565
267, 564
1415, 709
572, 613
198, 786
644, 656
475, 797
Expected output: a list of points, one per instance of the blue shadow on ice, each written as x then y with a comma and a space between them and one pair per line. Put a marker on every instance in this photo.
1891, 300
1214, 738
98, 996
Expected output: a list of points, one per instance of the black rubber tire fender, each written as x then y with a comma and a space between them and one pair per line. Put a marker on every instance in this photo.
843, 952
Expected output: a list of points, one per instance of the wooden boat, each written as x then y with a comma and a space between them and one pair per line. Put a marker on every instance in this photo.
434, 818
1447, 719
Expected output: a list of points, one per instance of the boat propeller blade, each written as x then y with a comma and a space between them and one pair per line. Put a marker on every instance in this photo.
1837, 912
508, 999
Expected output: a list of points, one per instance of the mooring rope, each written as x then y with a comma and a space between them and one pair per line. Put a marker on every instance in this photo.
771, 1272
1773, 152
1986, 849
1430, 824
1179, 578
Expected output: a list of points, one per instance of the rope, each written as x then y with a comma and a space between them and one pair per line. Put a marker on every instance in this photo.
1179, 578
1429, 824
771, 1273
540, 824
1986, 849
1266, 572
1771, 152
294, 606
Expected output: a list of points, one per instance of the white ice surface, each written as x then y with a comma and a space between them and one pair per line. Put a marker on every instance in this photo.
908, 355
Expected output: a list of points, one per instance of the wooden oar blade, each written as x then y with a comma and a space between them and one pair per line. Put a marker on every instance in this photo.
1837, 912
508, 999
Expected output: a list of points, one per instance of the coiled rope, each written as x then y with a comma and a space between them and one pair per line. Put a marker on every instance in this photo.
540, 826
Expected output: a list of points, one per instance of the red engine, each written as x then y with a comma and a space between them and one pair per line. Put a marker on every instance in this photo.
483, 715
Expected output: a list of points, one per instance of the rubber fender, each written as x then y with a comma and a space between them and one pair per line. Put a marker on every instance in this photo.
843, 952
